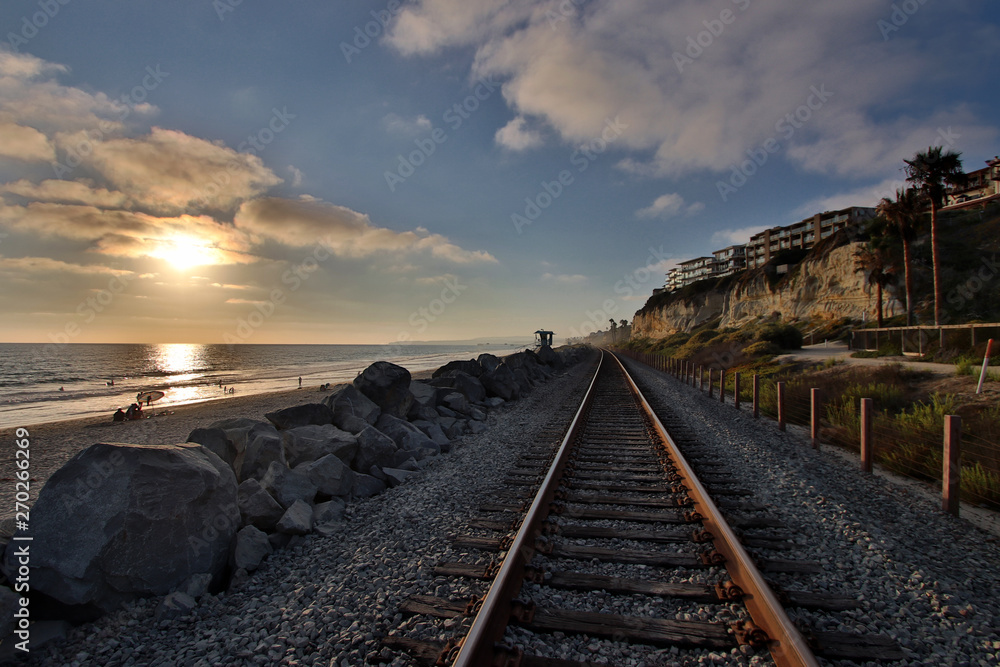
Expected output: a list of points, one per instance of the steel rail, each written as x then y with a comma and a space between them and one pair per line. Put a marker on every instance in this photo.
787, 645
491, 622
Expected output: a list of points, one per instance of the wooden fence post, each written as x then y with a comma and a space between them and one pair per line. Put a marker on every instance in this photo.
952, 477
722, 386
756, 396
815, 406
866, 434
711, 377
736, 390
781, 406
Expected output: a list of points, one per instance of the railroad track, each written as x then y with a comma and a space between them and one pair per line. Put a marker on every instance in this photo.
605, 510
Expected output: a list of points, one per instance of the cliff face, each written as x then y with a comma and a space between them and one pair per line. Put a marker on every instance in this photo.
825, 284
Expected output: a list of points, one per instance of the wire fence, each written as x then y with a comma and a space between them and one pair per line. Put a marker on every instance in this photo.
909, 440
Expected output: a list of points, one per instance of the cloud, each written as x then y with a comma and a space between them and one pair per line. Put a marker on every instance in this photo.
407, 126
868, 195
307, 221
727, 237
25, 143
564, 279
516, 136
668, 206
296, 175
66, 192
573, 70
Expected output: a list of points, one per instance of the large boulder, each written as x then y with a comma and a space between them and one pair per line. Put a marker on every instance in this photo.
469, 386
118, 522
501, 382
374, 448
301, 415
251, 548
550, 357
241, 431
457, 402
366, 486
331, 476
216, 441
298, 519
257, 506
309, 443
348, 402
424, 396
433, 431
388, 386
471, 367
489, 362
263, 450
404, 434
288, 486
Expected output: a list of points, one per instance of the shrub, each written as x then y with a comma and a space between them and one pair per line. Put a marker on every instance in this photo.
761, 349
784, 336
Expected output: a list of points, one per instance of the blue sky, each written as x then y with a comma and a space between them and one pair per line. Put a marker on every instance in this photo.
201, 171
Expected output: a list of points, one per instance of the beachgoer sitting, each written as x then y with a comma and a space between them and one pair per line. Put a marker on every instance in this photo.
119, 416
138, 412
130, 413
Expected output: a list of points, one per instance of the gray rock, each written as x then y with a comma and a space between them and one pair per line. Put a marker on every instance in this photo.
388, 385
263, 450
397, 476
446, 422
469, 386
457, 402
477, 427
488, 362
458, 429
366, 486
347, 401
501, 382
424, 395
309, 414
352, 424
446, 412
288, 486
309, 443
215, 440
374, 448
252, 546
258, 507
175, 605
404, 434
524, 383
471, 367
424, 414
549, 357
477, 414
118, 522
297, 519
409, 464
278, 540
494, 402
196, 585
328, 512
242, 431
432, 431
377, 473
331, 476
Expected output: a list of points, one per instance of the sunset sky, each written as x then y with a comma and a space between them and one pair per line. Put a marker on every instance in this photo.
359, 172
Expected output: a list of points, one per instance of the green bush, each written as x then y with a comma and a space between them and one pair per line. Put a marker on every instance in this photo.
761, 348
784, 336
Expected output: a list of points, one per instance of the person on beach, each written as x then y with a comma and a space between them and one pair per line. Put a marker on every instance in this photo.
130, 413
119, 416
300, 381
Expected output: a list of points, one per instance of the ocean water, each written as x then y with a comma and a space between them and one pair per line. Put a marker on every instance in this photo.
43, 383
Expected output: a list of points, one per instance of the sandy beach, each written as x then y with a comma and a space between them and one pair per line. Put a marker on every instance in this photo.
54, 443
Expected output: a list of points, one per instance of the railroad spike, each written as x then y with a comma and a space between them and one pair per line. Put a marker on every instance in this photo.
750, 634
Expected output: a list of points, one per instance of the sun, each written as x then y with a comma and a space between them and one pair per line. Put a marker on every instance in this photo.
185, 252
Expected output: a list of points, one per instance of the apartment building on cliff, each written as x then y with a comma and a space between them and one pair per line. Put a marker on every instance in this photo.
982, 186
802, 235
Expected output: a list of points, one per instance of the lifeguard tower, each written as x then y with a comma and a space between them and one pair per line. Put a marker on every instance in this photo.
543, 338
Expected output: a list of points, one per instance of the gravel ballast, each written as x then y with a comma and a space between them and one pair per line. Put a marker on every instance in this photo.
923, 577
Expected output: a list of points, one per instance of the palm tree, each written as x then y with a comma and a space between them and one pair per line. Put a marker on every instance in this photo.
614, 326
932, 172
878, 271
904, 215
